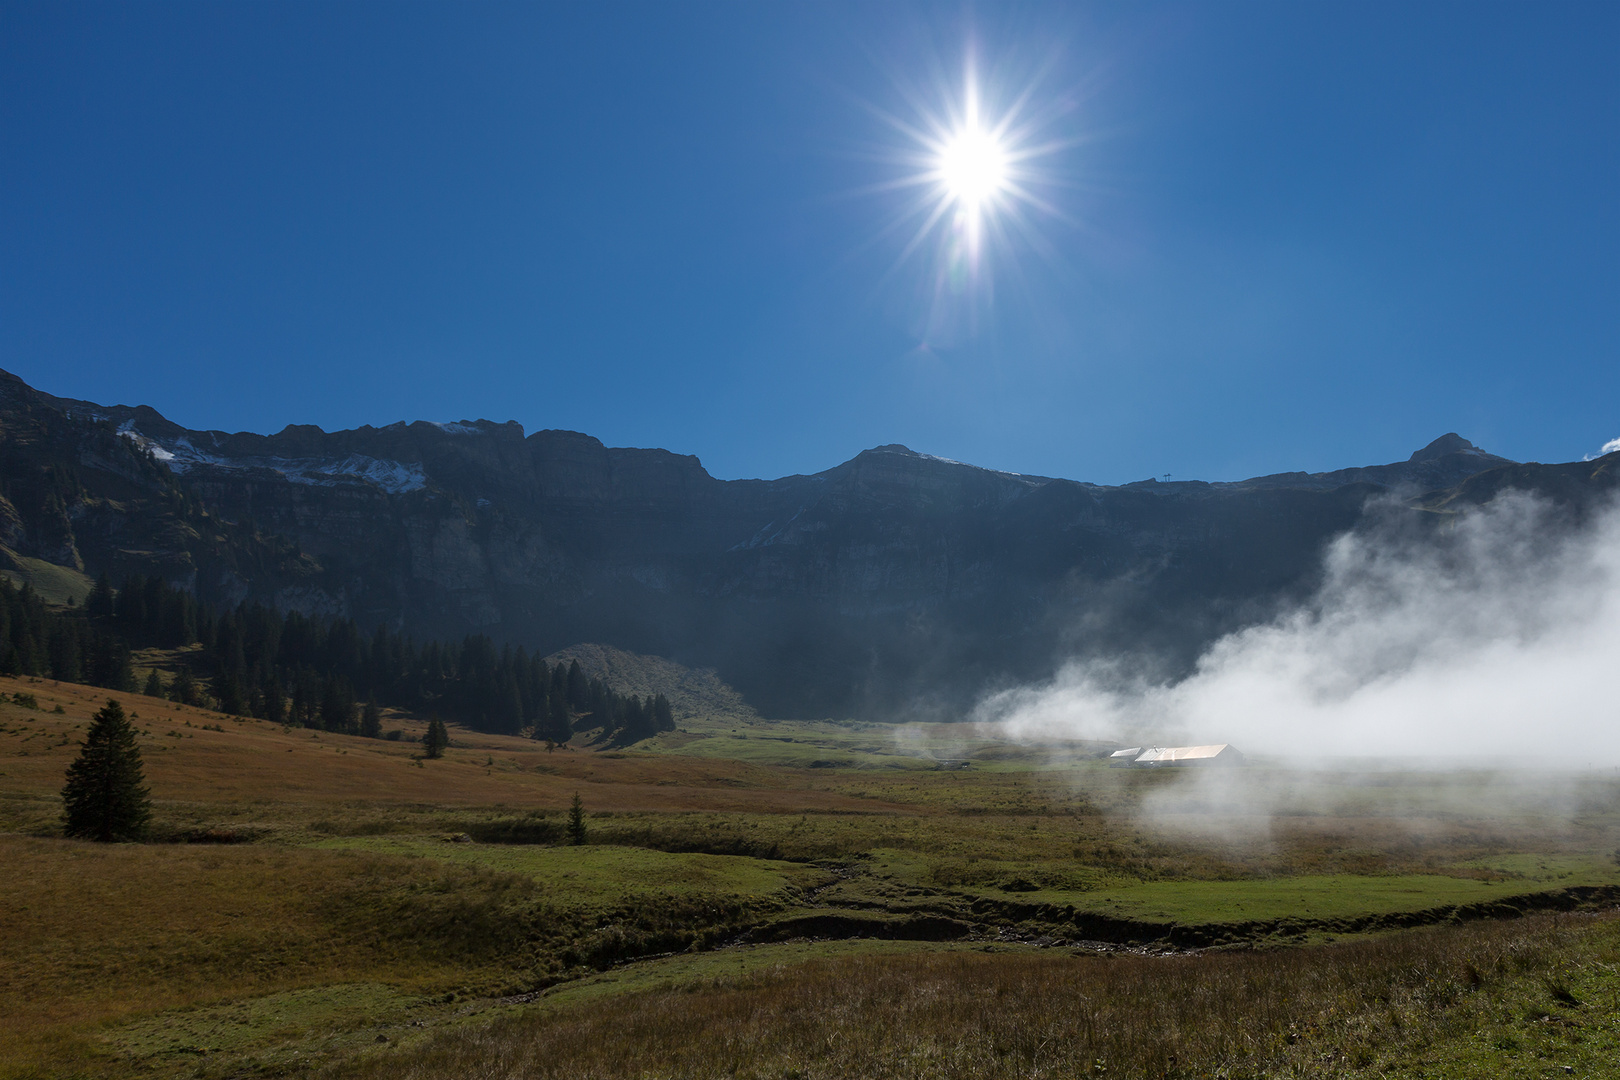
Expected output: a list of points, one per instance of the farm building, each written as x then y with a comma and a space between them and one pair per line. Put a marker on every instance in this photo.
1218, 754
1121, 758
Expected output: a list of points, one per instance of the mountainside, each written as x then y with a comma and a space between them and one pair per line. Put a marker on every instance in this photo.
691, 692
895, 579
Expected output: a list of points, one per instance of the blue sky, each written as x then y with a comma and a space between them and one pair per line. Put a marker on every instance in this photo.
1280, 236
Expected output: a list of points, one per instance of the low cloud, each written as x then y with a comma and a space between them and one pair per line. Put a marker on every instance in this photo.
1492, 637
1608, 448
1384, 804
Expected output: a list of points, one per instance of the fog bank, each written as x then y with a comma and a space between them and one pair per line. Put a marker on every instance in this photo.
1495, 638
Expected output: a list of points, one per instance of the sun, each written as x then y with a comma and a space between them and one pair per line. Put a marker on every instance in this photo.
980, 158
973, 167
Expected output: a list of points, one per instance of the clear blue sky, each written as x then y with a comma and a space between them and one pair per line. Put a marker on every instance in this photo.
1286, 236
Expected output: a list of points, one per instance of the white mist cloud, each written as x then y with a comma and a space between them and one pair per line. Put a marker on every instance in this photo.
1609, 447
1247, 804
1495, 638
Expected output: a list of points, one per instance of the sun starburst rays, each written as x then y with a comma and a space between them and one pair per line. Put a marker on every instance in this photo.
975, 168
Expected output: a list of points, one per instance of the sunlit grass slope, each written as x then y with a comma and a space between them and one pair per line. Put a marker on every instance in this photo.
306, 894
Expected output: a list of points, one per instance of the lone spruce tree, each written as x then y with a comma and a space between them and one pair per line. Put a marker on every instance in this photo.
436, 739
576, 820
105, 797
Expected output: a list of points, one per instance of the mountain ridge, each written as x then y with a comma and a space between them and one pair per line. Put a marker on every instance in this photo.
891, 581
295, 441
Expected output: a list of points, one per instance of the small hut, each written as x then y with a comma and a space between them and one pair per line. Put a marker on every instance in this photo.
1185, 756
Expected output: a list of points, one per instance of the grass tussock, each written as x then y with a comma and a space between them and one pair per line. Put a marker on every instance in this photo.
1469, 999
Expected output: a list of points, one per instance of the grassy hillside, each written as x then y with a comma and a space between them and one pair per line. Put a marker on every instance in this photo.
693, 692
315, 903
56, 585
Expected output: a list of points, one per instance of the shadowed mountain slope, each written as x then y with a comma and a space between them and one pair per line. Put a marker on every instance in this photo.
893, 581
691, 692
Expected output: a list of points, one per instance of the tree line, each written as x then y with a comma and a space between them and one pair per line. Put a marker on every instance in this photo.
309, 671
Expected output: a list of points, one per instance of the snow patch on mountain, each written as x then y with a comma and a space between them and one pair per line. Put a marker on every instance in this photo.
157, 449
394, 477
181, 456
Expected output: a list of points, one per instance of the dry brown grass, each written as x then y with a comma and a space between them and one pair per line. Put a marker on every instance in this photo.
252, 772
252, 762
1395, 1002
92, 932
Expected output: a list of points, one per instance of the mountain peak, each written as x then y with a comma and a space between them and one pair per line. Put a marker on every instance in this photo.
1449, 443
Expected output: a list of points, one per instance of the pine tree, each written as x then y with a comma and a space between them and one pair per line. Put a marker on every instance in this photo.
123, 673
509, 721
154, 684
300, 705
559, 724
578, 690
275, 703
231, 697
371, 720
104, 798
338, 710
64, 650
576, 821
184, 687
99, 604
27, 654
436, 739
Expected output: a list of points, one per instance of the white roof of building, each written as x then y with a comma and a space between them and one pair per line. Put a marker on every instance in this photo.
1131, 753
1168, 754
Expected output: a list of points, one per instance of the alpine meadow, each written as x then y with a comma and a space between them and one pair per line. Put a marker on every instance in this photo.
1147, 606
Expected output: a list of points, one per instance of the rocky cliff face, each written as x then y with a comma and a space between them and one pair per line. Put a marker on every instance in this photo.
893, 580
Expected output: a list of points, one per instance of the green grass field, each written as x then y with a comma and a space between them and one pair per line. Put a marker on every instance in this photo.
327, 905
595, 874
55, 584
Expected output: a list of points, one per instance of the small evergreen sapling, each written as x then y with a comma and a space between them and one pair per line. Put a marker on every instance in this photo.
576, 820
105, 797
